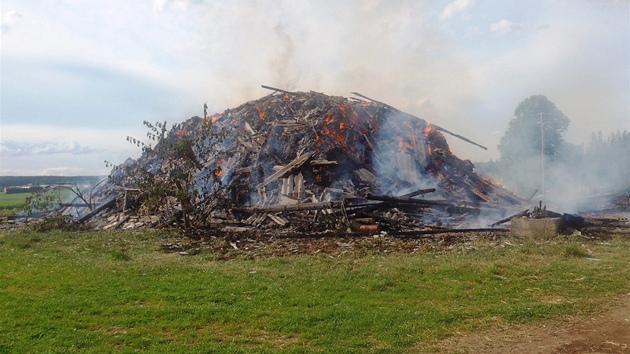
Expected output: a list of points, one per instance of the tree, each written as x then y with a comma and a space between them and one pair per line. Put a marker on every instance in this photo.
538, 124
534, 139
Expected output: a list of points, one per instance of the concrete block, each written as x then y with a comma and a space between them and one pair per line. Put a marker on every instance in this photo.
529, 227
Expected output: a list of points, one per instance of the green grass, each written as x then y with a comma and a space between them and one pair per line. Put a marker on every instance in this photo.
12, 203
116, 291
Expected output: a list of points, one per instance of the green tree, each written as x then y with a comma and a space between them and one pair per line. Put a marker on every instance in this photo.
533, 145
538, 124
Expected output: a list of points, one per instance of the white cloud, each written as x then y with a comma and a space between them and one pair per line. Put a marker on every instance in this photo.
21, 148
158, 5
9, 20
30, 149
505, 26
455, 7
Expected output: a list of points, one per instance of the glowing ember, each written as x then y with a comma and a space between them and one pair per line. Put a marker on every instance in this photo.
261, 113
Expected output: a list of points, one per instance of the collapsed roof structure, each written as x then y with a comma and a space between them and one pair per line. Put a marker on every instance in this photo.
299, 158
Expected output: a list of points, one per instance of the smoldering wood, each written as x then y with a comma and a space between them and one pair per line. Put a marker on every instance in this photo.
418, 192
420, 202
336, 157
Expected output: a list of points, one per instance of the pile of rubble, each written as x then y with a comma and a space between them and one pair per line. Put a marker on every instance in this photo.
309, 162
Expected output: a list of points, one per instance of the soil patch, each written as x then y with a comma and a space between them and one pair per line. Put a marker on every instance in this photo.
604, 331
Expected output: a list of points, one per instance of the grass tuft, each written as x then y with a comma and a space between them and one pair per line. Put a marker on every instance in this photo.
576, 251
120, 254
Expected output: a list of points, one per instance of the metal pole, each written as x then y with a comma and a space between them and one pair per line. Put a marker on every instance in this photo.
542, 155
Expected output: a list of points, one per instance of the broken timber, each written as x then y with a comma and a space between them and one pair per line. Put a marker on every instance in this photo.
297, 163
420, 202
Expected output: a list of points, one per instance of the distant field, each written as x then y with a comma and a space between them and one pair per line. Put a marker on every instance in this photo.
10, 181
12, 203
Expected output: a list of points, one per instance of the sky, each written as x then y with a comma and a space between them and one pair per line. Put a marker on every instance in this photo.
79, 76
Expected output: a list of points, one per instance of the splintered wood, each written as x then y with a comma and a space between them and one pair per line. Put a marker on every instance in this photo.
308, 161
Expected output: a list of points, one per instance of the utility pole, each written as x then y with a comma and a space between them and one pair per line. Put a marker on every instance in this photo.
542, 155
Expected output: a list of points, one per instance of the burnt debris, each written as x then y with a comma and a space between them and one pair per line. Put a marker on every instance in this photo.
309, 162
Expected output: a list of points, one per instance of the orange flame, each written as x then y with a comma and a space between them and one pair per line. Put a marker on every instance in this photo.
429, 128
211, 119
261, 113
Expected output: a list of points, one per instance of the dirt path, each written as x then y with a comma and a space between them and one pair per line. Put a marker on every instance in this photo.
605, 331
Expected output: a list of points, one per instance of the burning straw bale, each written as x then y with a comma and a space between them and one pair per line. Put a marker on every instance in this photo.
313, 161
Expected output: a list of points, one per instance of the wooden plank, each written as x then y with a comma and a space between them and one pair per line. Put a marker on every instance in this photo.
296, 163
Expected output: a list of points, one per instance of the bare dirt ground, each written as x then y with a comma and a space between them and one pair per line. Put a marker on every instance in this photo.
604, 331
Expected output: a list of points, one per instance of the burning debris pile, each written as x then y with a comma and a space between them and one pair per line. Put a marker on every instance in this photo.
308, 162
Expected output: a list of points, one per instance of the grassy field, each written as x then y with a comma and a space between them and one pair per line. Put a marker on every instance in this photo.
117, 291
12, 203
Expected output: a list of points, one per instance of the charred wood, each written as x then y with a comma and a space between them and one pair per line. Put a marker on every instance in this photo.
418, 192
276, 89
421, 202
517, 215
97, 210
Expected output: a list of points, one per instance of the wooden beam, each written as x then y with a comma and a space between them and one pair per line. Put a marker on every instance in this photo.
435, 126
